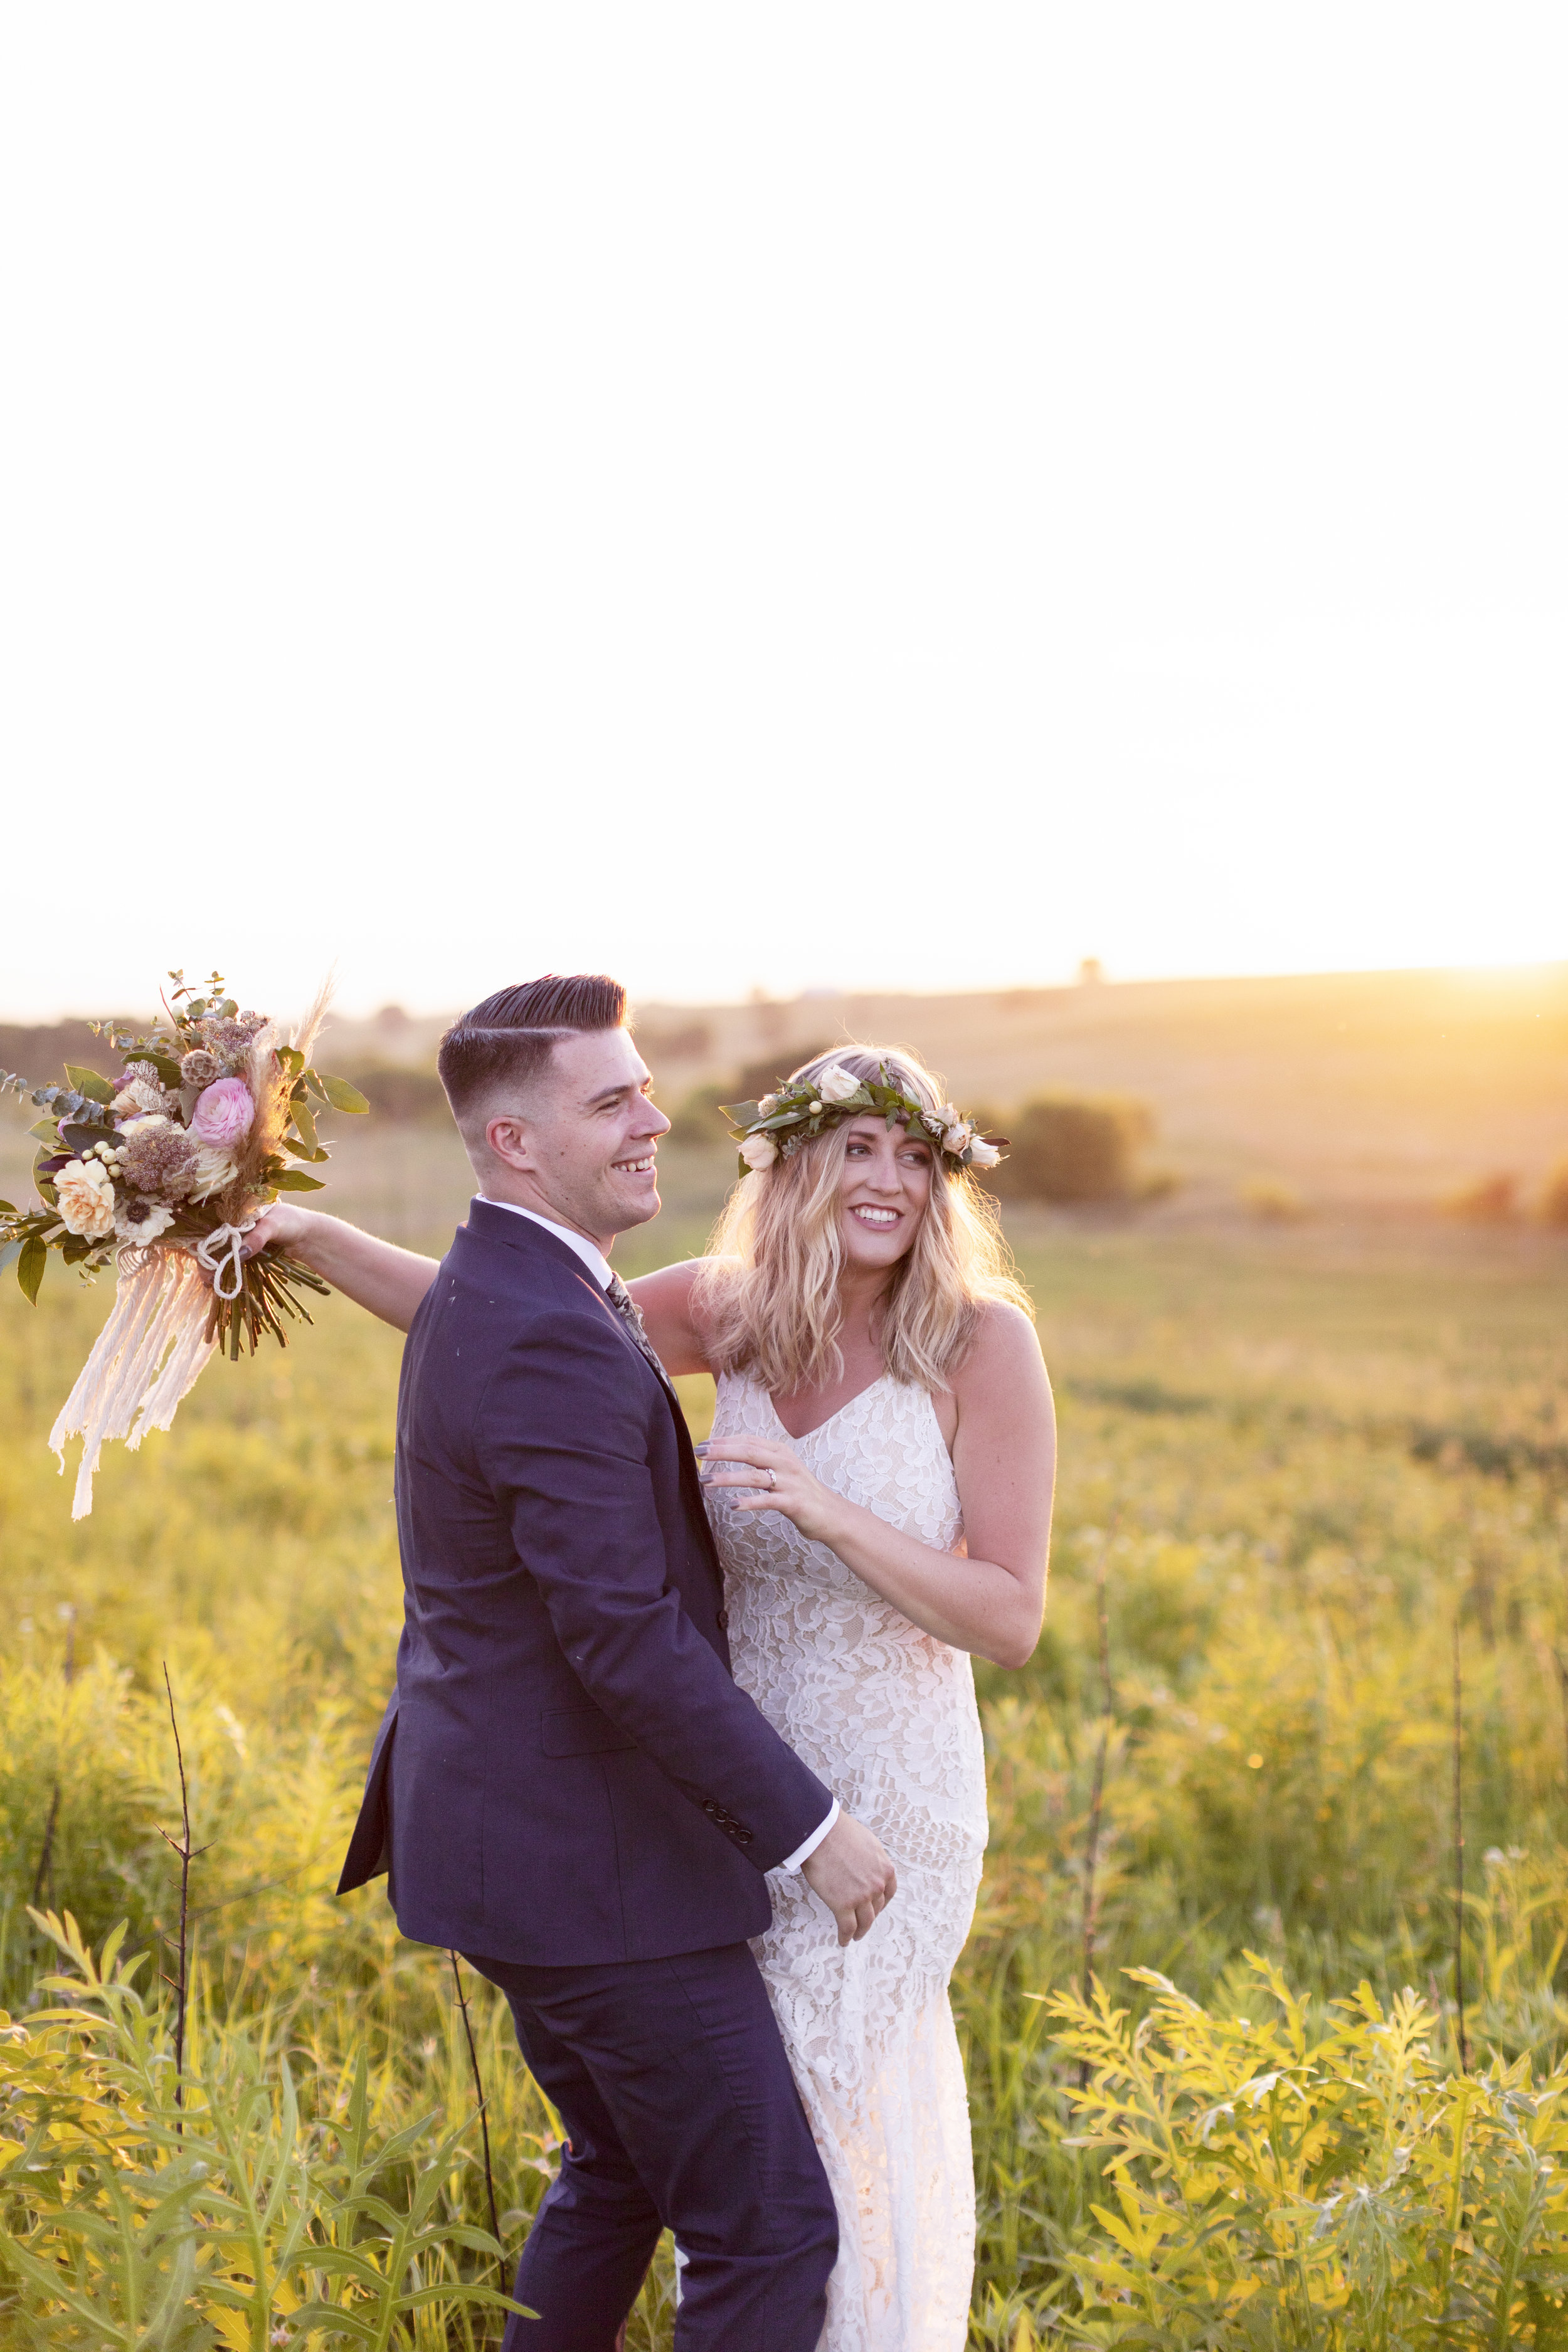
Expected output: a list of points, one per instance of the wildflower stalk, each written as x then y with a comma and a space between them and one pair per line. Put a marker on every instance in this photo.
180, 1988
1096, 1795
478, 2093
1464, 2044
46, 1851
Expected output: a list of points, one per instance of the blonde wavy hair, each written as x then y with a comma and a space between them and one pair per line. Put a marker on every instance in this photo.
768, 1293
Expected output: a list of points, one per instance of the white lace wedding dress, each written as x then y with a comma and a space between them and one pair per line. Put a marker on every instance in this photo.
886, 1716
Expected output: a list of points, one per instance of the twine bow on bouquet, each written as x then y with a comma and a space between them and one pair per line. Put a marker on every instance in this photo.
164, 1170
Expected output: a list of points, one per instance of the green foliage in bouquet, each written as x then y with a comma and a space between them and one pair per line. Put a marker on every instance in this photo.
183, 1150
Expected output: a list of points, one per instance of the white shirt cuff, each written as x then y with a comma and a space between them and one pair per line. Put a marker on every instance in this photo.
803, 1853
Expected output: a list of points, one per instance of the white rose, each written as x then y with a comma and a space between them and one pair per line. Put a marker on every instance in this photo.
835, 1085
759, 1152
956, 1138
85, 1192
216, 1169
142, 1220
946, 1115
983, 1154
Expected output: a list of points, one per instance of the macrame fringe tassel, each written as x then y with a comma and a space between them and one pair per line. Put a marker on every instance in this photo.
147, 1357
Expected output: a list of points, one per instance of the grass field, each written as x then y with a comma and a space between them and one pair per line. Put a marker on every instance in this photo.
1298, 1459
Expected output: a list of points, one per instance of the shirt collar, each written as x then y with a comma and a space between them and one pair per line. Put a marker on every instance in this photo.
597, 1263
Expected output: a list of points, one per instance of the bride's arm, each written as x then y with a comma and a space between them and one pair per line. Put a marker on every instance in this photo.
992, 1599
375, 1273
674, 1332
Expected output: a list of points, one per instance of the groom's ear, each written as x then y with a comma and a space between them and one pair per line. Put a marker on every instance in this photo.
508, 1139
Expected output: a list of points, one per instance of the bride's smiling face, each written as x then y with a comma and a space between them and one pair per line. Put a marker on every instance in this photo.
885, 1193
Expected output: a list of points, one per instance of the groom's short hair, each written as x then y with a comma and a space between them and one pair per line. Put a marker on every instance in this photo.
508, 1038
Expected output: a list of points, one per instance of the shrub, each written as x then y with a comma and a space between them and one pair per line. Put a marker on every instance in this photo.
141, 2211
1272, 1202
1554, 1206
1065, 1148
1280, 2182
1490, 1200
407, 1095
697, 1121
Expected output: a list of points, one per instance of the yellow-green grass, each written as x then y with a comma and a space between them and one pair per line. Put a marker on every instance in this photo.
1301, 1456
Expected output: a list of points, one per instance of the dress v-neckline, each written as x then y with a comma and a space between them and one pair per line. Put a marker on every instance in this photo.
869, 1389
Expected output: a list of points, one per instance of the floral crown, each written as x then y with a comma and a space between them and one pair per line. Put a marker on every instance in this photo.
777, 1127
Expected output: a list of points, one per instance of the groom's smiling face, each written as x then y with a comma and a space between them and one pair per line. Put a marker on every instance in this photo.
580, 1146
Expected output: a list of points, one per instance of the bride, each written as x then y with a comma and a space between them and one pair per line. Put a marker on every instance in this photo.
879, 1479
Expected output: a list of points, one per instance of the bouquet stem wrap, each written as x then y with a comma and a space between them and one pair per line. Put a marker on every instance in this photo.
147, 1357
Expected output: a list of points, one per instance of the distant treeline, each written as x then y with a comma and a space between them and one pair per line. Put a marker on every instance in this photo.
39, 1053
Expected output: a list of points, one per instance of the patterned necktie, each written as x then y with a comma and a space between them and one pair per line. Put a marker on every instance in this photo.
630, 1313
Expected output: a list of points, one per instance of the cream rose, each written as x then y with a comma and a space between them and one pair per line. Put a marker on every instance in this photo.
957, 1138
759, 1152
835, 1085
983, 1154
946, 1115
86, 1194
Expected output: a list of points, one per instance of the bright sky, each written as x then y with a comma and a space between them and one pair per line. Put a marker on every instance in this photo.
835, 495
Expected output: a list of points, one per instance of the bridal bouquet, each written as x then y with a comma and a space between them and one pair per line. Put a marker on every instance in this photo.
164, 1170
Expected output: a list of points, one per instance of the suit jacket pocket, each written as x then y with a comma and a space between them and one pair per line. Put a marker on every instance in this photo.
581, 1731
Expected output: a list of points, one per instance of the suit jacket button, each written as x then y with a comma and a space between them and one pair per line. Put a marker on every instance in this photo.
723, 1621
711, 1808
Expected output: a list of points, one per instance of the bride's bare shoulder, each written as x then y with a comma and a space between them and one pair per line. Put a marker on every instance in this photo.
673, 1313
1003, 1352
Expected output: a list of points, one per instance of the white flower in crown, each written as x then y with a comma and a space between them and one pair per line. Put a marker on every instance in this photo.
759, 1152
767, 1106
946, 1115
835, 1085
957, 1138
85, 1191
983, 1154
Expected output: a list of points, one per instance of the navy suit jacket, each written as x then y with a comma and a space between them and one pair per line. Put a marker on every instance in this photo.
567, 1773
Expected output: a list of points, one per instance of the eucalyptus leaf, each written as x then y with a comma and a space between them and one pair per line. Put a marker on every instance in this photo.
341, 1095
306, 1126
305, 1151
88, 1083
30, 1264
294, 1180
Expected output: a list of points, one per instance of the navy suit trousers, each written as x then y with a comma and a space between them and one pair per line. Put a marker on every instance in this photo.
680, 2110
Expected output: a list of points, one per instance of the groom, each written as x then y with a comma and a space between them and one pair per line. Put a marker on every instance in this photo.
569, 1787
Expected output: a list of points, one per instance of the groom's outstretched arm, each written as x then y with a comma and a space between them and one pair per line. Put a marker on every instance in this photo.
563, 1442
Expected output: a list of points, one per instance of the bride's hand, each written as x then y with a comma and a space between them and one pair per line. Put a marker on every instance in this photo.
282, 1227
785, 1483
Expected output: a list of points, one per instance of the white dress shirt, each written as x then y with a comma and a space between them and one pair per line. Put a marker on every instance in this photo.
599, 1267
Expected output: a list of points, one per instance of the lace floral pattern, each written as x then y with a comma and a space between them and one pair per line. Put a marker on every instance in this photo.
885, 1714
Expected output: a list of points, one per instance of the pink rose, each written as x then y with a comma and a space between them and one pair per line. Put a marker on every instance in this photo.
223, 1113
